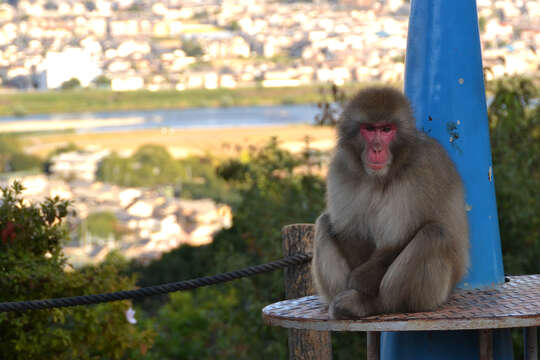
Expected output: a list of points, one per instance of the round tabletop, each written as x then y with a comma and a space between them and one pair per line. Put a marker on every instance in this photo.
516, 303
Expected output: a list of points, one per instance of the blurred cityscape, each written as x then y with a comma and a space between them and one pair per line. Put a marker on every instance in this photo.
140, 223
182, 44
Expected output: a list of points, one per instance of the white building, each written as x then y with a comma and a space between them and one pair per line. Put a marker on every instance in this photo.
127, 83
59, 67
80, 165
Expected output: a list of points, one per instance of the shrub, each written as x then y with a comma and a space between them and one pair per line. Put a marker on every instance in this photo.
103, 224
34, 267
70, 84
12, 157
225, 322
514, 119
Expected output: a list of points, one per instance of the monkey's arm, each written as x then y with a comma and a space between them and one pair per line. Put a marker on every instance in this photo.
355, 251
367, 277
328, 266
334, 255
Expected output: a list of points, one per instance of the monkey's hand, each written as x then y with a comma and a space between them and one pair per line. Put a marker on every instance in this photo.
367, 277
324, 224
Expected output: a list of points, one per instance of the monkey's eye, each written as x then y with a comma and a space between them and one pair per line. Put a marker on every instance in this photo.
368, 127
386, 128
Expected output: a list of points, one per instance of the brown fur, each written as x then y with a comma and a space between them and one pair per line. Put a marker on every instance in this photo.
395, 239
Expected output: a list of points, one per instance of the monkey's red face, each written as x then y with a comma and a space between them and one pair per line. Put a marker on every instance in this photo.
378, 138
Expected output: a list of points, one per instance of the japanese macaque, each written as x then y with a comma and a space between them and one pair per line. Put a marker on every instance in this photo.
394, 236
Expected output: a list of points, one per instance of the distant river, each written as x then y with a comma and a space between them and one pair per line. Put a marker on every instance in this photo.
152, 119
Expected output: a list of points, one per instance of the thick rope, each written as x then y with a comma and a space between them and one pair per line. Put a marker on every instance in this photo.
155, 290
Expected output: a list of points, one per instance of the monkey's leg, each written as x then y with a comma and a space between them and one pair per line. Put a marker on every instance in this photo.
422, 276
367, 277
329, 267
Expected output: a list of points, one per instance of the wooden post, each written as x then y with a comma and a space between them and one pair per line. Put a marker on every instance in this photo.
531, 343
373, 345
486, 344
303, 344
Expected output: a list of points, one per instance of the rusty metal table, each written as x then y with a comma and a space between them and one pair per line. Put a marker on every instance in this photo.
516, 303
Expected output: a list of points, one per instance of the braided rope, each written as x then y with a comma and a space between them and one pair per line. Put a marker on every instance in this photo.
155, 290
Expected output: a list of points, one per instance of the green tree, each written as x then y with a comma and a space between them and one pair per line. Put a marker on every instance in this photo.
103, 224
199, 180
70, 84
153, 164
115, 169
9, 145
12, 157
21, 161
150, 165
514, 119
192, 48
102, 81
200, 328
34, 267
233, 170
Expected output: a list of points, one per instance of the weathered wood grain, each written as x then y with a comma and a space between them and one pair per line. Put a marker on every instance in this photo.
303, 344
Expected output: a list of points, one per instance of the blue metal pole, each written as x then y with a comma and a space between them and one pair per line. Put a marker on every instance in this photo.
444, 82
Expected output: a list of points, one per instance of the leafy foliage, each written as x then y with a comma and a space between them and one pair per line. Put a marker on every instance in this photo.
103, 224
233, 170
201, 329
21, 161
71, 84
273, 194
198, 179
152, 166
514, 119
102, 82
12, 157
33, 267
192, 48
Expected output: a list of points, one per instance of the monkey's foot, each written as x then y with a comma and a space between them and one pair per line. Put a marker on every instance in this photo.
351, 304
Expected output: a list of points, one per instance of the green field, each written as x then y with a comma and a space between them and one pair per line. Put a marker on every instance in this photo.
86, 100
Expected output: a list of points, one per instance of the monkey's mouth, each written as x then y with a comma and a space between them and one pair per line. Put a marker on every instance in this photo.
376, 166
